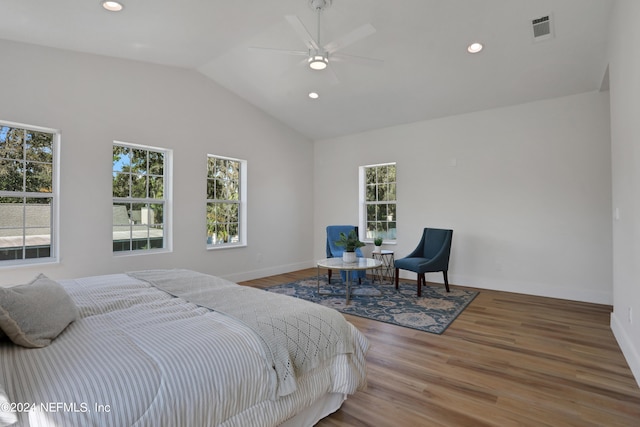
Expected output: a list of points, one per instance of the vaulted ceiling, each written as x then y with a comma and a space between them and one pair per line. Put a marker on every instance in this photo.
421, 70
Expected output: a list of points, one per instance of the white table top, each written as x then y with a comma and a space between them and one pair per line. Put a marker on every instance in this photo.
383, 252
360, 264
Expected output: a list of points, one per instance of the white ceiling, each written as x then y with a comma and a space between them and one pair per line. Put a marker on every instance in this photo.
426, 72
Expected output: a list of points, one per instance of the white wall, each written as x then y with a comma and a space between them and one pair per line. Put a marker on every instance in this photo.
94, 100
624, 75
529, 197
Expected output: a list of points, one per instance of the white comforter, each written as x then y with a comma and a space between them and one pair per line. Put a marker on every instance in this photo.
140, 357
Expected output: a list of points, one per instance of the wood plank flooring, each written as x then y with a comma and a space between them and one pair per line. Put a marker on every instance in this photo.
507, 360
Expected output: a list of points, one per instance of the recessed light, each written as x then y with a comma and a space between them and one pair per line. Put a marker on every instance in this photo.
314, 95
475, 47
112, 6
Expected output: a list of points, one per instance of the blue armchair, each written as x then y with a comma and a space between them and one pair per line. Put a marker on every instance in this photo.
431, 255
333, 251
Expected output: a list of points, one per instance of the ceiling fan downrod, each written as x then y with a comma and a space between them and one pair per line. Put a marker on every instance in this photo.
318, 59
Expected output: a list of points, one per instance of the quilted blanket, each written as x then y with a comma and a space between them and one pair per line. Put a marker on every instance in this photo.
296, 343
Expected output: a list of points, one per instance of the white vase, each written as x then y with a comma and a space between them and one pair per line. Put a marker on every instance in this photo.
377, 249
348, 257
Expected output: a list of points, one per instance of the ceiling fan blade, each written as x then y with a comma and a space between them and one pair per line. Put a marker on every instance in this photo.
350, 38
281, 51
332, 75
356, 58
302, 32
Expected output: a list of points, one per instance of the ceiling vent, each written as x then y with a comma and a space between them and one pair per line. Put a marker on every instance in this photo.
542, 28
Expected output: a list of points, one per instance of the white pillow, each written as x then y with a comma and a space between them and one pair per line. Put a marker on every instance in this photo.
33, 315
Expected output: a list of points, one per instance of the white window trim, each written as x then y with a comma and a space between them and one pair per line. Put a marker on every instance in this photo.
362, 205
168, 201
242, 202
54, 257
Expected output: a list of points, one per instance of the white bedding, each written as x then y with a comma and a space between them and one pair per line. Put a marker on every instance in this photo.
138, 356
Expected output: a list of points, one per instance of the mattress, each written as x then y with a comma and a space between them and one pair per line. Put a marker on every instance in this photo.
140, 356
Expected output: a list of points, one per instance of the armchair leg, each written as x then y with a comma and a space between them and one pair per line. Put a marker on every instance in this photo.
421, 280
446, 280
329, 274
397, 276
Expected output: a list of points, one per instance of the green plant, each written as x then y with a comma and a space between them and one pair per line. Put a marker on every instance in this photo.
377, 241
350, 241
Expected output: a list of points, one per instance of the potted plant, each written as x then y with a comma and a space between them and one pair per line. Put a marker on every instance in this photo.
350, 242
377, 243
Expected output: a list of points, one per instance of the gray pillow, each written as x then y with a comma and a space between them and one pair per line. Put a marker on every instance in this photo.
33, 315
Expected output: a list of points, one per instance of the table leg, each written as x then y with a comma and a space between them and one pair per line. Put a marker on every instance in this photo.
348, 284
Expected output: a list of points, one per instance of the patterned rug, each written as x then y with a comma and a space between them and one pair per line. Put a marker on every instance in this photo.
433, 312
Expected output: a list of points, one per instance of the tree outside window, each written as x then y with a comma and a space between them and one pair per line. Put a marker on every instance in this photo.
225, 207
27, 193
139, 198
378, 196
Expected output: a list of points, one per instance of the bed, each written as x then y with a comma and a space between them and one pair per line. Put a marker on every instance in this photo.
171, 348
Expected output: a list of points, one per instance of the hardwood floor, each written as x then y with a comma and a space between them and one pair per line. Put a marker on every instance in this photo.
507, 360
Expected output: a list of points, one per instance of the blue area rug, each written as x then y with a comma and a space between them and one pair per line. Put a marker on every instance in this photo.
433, 312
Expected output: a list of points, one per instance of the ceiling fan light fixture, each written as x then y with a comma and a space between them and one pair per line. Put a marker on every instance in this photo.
319, 4
318, 62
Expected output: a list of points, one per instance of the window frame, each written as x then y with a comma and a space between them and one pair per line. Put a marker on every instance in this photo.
166, 201
241, 202
54, 220
363, 204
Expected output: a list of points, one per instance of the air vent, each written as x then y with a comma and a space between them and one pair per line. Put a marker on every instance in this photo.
542, 28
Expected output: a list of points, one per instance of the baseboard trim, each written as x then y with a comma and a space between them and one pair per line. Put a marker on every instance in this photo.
538, 289
624, 341
519, 287
271, 271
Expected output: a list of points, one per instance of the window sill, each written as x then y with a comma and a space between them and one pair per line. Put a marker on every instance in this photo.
28, 263
141, 252
229, 246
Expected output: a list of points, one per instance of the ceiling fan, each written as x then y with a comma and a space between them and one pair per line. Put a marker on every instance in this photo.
318, 55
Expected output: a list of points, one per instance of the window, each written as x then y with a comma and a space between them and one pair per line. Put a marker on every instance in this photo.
226, 196
28, 194
140, 198
378, 201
